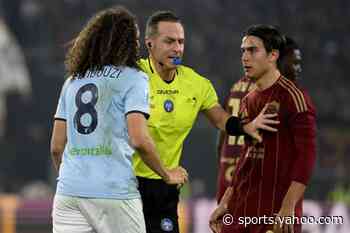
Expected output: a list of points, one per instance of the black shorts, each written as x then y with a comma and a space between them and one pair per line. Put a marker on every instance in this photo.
159, 205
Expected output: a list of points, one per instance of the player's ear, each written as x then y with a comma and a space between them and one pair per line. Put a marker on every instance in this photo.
148, 43
274, 55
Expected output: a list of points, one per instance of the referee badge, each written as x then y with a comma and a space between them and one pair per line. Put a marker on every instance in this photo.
168, 105
166, 224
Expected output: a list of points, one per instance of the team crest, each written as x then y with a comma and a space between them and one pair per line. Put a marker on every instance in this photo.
273, 107
166, 224
168, 106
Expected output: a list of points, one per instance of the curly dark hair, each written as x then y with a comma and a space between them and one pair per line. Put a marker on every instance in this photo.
109, 38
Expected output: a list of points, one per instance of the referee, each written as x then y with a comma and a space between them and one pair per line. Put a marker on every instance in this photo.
177, 95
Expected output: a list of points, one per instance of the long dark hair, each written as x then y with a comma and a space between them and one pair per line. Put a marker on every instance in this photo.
109, 38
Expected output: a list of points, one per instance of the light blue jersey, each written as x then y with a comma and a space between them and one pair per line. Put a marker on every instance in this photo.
97, 158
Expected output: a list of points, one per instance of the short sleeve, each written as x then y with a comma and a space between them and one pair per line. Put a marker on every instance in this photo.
61, 111
210, 98
137, 97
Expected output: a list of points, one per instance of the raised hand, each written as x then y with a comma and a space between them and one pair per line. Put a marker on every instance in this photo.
262, 121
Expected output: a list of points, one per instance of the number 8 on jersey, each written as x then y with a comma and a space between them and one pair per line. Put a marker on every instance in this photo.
85, 107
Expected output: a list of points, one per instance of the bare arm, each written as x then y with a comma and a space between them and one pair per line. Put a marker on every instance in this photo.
58, 142
219, 118
142, 142
295, 192
215, 221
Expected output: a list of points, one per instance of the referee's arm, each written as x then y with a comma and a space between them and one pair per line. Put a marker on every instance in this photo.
232, 125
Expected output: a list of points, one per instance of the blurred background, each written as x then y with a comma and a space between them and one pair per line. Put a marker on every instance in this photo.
33, 34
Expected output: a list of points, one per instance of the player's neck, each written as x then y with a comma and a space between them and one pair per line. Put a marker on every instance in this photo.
164, 73
268, 79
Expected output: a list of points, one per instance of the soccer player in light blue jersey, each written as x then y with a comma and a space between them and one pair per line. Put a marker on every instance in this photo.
100, 120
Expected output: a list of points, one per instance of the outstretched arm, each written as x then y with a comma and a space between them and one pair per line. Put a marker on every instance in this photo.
232, 125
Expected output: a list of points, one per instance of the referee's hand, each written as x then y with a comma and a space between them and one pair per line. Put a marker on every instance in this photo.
177, 176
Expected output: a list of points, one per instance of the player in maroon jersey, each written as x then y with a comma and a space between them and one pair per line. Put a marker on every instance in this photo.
271, 176
290, 63
230, 147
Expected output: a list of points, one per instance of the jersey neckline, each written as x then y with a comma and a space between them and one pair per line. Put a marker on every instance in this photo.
151, 69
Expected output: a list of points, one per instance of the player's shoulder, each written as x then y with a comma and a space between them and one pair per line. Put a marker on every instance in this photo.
143, 63
289, 87
135, 72
244, 84
189, 72
295, 94
68, 81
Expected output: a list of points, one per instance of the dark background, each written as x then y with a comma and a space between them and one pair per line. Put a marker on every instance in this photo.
213, 35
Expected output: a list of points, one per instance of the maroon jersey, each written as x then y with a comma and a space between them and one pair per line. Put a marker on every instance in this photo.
265, 170
230, 147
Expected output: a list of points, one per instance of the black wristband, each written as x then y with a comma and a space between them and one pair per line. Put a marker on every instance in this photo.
234, 127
